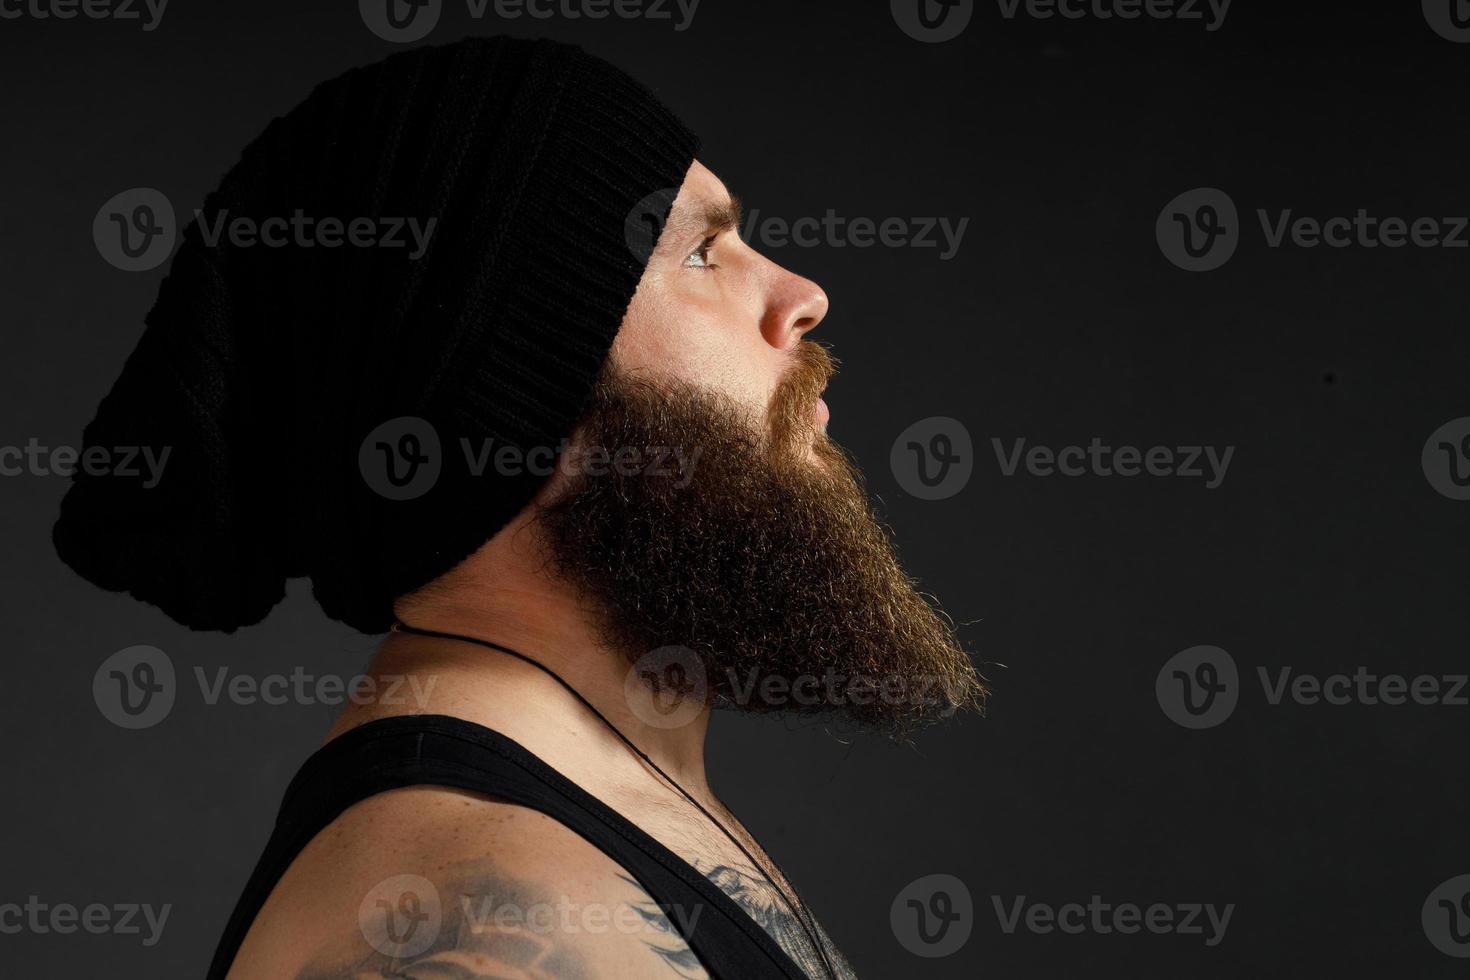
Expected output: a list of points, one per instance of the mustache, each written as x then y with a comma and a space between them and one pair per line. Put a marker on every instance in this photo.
791, 416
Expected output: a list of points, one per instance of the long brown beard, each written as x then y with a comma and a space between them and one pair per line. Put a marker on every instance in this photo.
760, 554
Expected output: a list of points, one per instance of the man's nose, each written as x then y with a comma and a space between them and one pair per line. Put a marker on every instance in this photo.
794, 306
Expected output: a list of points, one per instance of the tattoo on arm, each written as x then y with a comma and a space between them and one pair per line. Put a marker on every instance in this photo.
476, 923
666, 942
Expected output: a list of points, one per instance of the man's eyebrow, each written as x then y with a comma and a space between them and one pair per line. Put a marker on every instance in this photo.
724, 216
707, 218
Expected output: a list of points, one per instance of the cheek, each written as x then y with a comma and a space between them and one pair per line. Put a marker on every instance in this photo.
703, 340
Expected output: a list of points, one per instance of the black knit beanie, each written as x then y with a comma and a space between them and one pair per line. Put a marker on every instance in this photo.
278, 378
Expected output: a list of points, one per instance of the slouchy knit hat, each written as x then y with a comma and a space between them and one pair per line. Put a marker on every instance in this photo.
335, 410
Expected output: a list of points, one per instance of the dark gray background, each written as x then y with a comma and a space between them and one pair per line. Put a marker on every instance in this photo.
1324, 549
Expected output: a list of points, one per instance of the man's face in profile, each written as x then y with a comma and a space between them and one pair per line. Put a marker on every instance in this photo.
759, 552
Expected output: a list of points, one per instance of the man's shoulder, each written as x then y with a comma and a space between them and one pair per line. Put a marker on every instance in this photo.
440, 879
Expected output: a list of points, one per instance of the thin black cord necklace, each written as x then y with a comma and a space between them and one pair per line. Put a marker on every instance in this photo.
793, 902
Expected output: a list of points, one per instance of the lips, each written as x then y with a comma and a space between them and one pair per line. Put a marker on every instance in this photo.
823, 412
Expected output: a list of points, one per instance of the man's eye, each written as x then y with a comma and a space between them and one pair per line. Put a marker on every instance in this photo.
700, 257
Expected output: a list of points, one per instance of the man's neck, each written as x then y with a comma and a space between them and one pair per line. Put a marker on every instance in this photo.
505, 594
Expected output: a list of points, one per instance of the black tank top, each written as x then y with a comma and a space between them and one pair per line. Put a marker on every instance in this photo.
437, 750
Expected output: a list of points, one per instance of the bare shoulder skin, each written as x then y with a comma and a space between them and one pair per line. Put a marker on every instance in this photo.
433, 883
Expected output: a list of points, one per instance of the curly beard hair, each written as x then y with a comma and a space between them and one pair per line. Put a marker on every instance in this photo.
758, 551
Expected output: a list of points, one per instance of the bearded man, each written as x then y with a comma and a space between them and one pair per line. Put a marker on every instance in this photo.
572, 459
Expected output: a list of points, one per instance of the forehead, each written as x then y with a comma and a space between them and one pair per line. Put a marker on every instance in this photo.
701, 194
